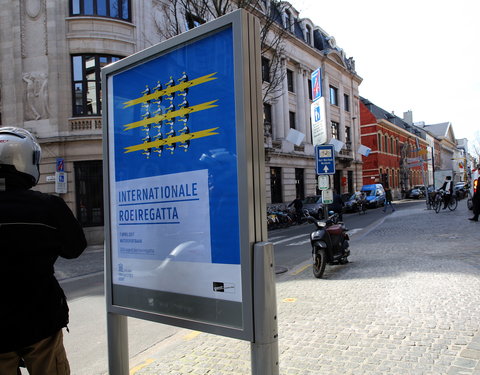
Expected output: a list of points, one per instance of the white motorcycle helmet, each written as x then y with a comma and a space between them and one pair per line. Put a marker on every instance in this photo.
19, 149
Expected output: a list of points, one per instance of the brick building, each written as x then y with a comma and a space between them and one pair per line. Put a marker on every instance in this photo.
395, 145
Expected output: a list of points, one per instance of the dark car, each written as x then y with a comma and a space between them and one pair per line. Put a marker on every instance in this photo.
352, 203
313, 204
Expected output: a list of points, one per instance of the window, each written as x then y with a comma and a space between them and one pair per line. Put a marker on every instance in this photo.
310, 89
335, 126
385, 144
193, 21
265, 69
299, 183
291, 117
86, 91
333, 95
379, 141
308, 32
348, 137
102, 8
346, 102
267, 119
288, 20
290, 81
89, 192
276, 184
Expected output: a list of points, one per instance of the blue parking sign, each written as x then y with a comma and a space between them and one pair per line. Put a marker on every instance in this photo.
325, 159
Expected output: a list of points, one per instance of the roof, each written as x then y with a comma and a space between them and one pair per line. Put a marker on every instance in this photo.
380, 113
438, 130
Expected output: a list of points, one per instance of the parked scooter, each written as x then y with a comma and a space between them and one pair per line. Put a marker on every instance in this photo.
329, 243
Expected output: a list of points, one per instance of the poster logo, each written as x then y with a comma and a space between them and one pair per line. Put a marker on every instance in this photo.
165, 118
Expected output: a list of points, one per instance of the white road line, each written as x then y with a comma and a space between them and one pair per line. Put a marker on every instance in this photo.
299, 243
290, 238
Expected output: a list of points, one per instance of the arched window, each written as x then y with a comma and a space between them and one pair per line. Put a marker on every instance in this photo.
308, 32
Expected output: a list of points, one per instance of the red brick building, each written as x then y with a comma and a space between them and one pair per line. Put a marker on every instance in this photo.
396, 146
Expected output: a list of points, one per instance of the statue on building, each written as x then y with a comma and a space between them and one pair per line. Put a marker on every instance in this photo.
36, 95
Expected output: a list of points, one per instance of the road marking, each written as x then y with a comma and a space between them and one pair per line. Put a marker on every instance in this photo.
289, 300
290, 238
275, 238
300, 270
140, 366
353, 231
191, 335
299, 243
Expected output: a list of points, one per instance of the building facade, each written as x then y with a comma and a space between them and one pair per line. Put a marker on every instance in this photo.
51, 54
399, 150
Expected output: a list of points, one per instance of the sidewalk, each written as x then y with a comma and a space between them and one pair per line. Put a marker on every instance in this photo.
408, 303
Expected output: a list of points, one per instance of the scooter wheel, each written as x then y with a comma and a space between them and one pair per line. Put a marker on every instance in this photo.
343, 260
319, 263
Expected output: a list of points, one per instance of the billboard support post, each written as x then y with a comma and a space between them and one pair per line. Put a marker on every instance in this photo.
117, 335
264, 349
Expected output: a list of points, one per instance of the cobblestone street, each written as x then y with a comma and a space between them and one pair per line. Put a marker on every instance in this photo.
408, 303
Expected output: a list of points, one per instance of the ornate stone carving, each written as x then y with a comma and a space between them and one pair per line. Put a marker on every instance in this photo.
36, 96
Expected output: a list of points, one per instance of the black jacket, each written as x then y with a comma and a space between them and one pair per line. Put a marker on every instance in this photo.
35, 228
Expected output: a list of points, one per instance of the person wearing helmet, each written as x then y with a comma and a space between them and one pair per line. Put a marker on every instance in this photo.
35, 229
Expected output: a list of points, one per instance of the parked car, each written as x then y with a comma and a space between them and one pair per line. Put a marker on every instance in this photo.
375, 194
460, 190
352, 204
313, 204
416, 192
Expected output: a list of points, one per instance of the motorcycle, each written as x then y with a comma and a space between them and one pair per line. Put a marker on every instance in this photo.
329, 243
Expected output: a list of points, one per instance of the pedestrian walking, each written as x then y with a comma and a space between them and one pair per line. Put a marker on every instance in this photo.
35, 229
297, 204
388, 200
476, 202
337, 205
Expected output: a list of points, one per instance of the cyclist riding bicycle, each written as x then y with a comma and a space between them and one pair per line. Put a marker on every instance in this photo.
447, 187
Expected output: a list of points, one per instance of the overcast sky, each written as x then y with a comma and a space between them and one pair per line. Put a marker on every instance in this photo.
419, 55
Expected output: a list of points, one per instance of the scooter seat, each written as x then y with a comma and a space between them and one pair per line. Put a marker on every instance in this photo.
335, 229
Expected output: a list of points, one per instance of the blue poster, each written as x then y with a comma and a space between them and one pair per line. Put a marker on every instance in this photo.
174, 167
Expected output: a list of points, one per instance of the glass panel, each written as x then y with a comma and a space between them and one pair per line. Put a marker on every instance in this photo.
75, 6
90, 68
92, 98
88, 7
125, 10
102, 7
114, 12
78, 99
77, 68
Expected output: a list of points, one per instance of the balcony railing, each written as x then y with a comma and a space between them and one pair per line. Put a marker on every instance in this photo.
85, 123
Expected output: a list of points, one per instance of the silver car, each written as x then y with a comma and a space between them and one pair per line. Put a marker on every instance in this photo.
313, 204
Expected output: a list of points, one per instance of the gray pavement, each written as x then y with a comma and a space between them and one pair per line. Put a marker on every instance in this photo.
408, 303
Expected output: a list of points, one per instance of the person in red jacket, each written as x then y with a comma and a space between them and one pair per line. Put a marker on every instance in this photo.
35, 229
476, 202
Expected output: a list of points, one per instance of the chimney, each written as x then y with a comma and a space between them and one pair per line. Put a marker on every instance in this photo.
408, 117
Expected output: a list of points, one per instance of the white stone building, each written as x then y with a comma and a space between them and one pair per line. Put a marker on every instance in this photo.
51, 53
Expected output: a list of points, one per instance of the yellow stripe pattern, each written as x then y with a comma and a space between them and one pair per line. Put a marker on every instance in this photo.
170, 115
170, 90
170, 140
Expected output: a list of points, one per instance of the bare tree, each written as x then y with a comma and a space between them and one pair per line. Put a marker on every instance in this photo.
179, 13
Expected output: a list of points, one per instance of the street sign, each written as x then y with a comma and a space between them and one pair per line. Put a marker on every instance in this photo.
323, 182
316, 84
319, 123
325, 159
327, 196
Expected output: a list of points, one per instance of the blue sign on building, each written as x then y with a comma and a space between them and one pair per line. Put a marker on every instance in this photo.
316, 85
325, 159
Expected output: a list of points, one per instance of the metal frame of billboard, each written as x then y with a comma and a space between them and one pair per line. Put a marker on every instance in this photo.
250, 172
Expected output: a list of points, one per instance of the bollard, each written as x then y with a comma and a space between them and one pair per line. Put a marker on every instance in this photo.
264, 348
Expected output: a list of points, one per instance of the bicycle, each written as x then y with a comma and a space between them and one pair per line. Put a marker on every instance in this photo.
438, 201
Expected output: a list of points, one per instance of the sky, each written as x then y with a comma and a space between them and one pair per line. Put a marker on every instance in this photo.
418, 55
